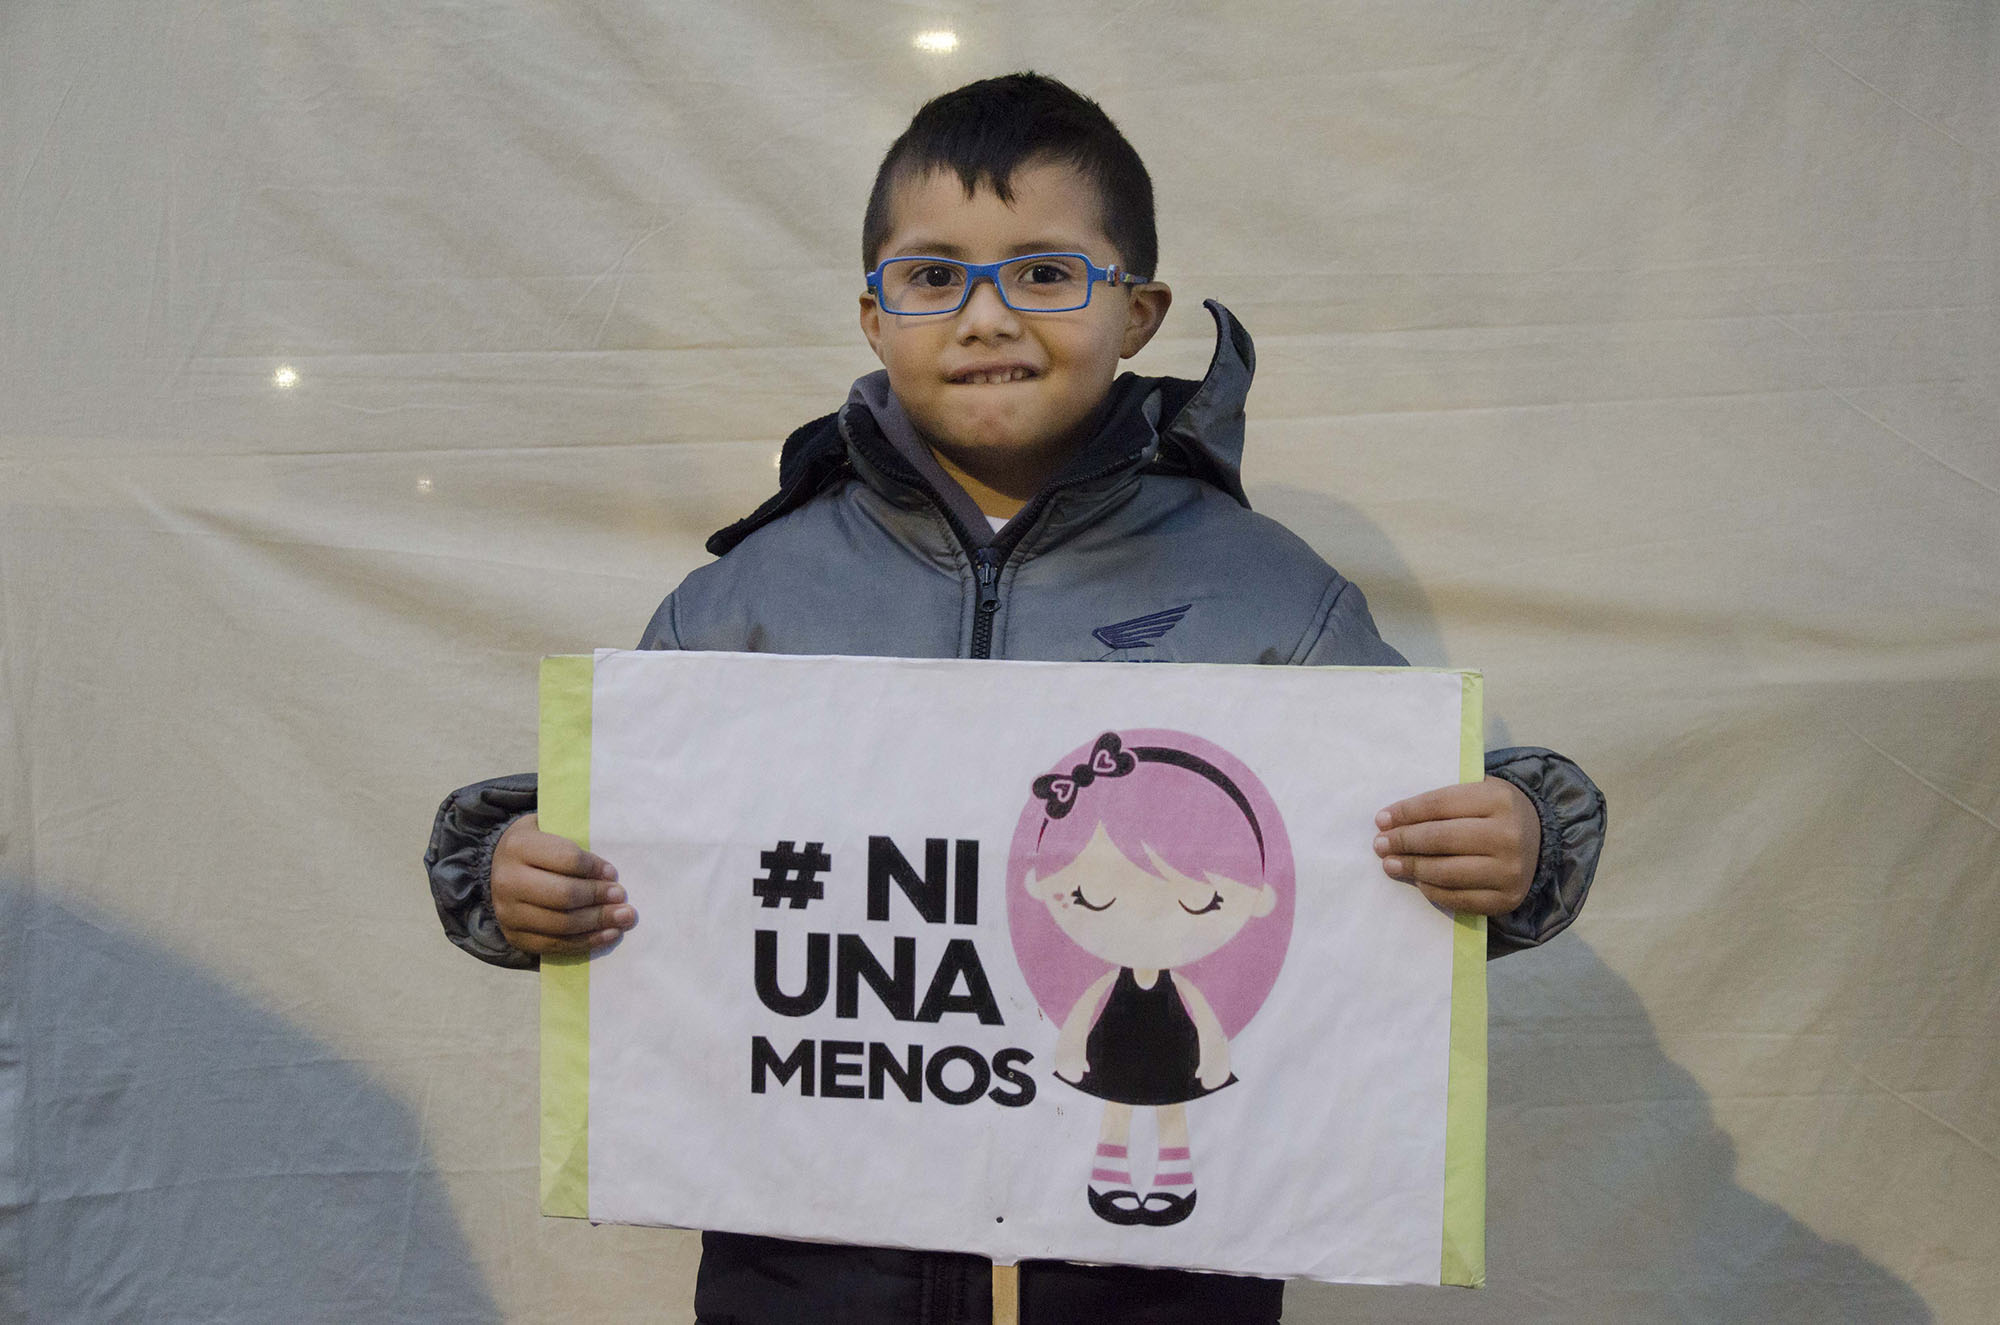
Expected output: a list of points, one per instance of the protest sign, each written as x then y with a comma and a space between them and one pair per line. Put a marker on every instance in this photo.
1031, 960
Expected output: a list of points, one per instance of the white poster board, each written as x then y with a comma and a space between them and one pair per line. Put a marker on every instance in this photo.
1031, 960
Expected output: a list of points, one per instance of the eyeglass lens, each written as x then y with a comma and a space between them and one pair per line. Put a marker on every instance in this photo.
1045, 283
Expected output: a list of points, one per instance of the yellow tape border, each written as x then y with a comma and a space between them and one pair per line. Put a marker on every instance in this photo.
1464, 1259
564, 809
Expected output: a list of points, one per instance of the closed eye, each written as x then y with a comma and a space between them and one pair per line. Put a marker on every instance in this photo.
1214, 904
1089, 905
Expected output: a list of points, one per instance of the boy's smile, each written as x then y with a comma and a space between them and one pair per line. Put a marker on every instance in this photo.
1005, 397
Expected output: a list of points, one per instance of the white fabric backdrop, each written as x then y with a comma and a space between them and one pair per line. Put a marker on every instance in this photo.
1645, 355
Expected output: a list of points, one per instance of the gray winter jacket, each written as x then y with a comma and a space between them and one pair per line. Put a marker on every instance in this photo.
1143, 548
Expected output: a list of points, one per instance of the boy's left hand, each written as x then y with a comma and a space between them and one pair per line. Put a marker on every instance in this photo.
1471, 847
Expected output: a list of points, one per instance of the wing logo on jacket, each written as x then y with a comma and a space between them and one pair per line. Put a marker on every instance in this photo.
1140, 631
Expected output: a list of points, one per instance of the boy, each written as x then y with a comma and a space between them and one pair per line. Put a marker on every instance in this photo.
994, 492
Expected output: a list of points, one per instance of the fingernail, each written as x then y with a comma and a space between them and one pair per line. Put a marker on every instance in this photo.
1381, 845
614, 894
610, 870
621, 916
1392, 867
1383, 819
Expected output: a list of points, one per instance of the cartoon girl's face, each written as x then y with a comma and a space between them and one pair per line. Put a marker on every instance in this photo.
1112, 909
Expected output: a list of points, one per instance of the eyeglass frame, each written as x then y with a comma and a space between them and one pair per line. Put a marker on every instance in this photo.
975, 272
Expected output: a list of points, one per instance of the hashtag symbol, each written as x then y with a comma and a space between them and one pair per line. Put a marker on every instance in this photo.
792, 875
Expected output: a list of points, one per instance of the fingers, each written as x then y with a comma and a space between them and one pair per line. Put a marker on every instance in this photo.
543, 946
1445, 873
1485, 884
562, 932
525, 843
1467, 847
561, 927
555, 892
1481, 885
1485, 839
552, 897
1472, 901
1460, 800
1444, 837
582, 921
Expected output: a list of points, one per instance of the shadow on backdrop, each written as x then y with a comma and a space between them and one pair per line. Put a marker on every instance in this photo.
180, 1154
1611, 1192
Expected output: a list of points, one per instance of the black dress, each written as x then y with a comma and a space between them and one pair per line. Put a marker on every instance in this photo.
1143, 1048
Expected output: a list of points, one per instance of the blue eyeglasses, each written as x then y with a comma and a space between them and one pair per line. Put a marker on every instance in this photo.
1032, 283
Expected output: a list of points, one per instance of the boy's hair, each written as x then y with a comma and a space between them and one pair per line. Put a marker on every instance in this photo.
985, 131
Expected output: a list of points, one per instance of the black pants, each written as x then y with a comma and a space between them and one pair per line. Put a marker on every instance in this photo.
768, 1281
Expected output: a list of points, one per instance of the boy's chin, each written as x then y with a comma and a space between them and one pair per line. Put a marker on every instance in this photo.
989, 449
994, 444
1011, 434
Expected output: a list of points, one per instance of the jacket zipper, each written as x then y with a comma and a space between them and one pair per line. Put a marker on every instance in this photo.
989, 559
986, 563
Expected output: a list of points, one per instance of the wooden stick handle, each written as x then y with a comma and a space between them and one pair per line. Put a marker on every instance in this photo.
1006, 1295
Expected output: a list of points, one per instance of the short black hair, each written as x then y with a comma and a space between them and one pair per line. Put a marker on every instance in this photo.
985, 131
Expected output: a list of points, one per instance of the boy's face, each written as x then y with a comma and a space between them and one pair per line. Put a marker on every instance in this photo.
1004, 396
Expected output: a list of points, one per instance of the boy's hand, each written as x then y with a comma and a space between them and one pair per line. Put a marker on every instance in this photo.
1471, 847
552, 897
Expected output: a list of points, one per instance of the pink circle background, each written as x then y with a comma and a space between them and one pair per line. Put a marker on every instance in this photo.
1236, 978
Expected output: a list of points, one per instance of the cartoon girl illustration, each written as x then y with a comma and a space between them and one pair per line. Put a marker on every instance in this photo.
1134, 865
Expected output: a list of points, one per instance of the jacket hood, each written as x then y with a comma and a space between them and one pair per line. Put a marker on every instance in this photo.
1162, 424
1206, 431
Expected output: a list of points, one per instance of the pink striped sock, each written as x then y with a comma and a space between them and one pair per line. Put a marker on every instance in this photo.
1174, 1174
1112, 1171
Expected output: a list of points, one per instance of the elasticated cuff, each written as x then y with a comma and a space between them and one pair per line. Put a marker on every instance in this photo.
1572, 812
460, 864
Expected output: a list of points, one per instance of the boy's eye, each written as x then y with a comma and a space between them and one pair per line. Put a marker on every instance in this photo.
1214, 904
935, 275
1088, 905
1045, 273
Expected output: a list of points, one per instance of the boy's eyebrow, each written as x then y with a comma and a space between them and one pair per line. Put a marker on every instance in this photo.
927, 248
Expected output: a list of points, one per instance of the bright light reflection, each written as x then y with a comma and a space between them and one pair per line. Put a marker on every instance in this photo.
777, 459
286, 377
937, 43
423, 485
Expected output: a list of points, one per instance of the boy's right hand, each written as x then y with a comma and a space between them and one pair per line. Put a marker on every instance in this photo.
553, 898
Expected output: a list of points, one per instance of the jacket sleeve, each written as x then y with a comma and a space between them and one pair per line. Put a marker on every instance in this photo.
1571, 809
460, 863
468, 826
1567, 802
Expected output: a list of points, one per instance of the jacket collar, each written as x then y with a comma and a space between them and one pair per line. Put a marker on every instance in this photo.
1155, 424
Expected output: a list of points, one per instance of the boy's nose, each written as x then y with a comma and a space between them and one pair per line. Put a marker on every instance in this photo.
985, 311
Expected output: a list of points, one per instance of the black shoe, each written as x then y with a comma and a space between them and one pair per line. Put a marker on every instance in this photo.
1119, 1207
1163, 1208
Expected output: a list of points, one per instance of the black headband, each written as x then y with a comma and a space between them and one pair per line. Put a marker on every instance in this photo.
1109, 759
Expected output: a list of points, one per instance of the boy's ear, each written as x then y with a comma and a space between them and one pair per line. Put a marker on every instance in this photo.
871, 323
1148, 309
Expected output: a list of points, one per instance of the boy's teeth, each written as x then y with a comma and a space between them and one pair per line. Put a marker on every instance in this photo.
994, 378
